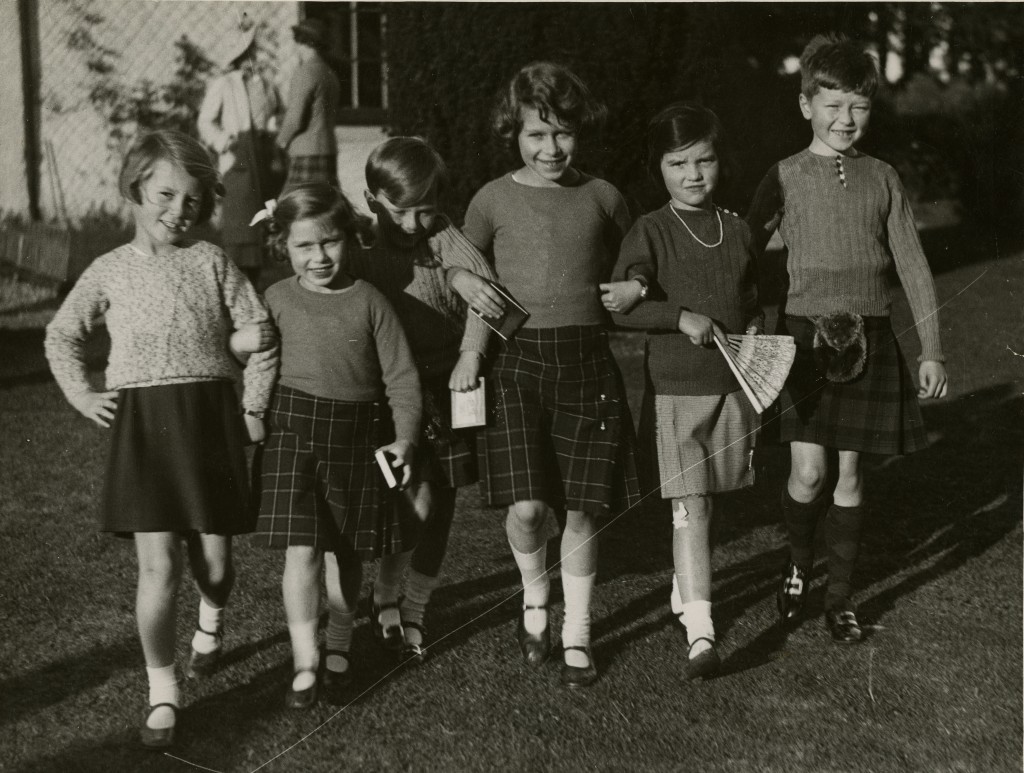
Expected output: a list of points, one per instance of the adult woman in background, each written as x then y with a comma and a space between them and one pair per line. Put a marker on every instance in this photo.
237, 120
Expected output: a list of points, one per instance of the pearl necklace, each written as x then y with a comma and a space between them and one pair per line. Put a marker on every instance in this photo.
721, 230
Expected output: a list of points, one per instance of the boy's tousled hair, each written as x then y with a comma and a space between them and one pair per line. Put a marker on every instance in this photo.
176, 148
834, 61
555, 92
676, 127
314, 200
406, 170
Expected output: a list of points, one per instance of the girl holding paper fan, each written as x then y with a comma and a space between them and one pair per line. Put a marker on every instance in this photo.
692, 265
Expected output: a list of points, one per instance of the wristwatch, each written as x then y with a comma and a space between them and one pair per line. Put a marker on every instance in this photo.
256, 414
643, 286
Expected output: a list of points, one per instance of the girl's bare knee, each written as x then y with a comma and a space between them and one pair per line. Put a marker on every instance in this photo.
529, 513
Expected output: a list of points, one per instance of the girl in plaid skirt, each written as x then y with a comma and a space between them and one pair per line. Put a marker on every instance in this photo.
323, 500
562, 423
698, 265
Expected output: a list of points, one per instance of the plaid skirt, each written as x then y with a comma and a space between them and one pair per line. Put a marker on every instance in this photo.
318, 481
445, 457
877, 412
312, 169
697, 444
562, 432
177, 462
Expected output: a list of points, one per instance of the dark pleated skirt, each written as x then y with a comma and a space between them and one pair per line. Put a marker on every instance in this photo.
877, 412
177, 462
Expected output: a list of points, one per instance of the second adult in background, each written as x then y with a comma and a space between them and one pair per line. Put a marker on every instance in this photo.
314, 93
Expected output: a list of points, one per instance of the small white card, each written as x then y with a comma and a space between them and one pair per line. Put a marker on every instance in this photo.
469, 409
384, 460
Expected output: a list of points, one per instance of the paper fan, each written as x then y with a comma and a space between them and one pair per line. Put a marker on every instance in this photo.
760, 364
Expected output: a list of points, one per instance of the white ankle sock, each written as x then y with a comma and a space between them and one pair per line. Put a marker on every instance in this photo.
536, 587
576, 626
387, 586
305, 655
163, 688
414, 606
211, 623
339, 637
696, 617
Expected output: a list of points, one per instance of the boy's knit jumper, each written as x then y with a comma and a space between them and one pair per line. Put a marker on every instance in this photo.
844, 239
551, 246
718, 282
435, 319
169, 319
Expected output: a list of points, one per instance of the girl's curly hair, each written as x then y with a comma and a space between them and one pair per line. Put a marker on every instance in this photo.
314, 200
553, 91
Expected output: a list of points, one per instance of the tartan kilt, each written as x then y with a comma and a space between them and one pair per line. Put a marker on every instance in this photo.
562, 431
317, 481
312, 169
877, 412
446, 457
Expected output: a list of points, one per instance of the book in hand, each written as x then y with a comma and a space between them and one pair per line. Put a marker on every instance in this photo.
512, 317
384, 460
469, 409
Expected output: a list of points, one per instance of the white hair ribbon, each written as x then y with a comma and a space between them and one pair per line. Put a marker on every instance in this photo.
264, 214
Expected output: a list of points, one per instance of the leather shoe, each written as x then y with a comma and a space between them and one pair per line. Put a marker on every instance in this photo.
842, 624
301, 699
706, 664
792, 594
415, 653
390, 638
576, 676
158, 737
536, 648
202, 664
335, 683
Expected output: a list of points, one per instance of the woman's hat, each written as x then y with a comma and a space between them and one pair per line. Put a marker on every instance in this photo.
313, 30
237, 44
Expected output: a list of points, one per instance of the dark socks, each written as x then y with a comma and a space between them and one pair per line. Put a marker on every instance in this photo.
842, 538
801, 518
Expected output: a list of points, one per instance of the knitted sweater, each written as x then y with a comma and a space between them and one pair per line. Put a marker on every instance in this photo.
346, 346
844, 239
718, 282
433, 316
551, 247
168, 319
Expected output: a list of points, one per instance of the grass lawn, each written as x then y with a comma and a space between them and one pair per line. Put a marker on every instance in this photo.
936, 687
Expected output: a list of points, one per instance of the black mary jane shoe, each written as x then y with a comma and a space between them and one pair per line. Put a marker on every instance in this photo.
336, 683
843, 626
792, 594
535, 648
202, 664
300, 700
415, 653
158, 737
576, 676
706, 664
390, 638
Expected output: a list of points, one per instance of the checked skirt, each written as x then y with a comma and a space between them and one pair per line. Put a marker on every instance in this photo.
876, 413
562, 431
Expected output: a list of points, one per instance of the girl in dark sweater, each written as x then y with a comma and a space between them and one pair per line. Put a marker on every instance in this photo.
692, 263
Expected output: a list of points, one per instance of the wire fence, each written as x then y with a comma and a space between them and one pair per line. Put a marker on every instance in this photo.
108, 67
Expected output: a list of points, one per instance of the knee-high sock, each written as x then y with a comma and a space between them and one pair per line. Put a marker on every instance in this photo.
536, 587
801, 518
842, 537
